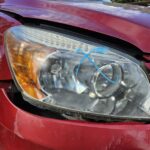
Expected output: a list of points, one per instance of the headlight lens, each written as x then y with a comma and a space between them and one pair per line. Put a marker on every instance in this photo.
69, 74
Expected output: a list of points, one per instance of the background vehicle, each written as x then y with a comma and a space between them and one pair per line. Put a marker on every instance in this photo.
117, 30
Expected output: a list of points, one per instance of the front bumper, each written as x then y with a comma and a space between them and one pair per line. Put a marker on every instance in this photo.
22, 130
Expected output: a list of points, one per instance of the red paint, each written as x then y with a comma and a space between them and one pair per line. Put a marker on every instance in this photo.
31, 130
22, 130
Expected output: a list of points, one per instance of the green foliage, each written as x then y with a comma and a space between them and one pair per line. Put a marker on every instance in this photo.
128, 1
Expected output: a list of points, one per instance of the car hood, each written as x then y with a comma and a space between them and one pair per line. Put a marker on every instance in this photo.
42, 8
131, 24
133, 13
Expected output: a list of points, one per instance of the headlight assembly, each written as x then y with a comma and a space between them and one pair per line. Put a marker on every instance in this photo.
71, 75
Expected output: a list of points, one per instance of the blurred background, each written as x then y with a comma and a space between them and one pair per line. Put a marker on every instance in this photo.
138, 2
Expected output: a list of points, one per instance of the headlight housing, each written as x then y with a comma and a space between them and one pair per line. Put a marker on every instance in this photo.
75, 76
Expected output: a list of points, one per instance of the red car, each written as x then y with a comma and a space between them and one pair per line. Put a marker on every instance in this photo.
74, 76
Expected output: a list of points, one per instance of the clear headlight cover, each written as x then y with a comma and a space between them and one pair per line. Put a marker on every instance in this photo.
71, 75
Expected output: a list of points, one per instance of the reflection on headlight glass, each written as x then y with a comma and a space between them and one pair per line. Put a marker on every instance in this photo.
75, 75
